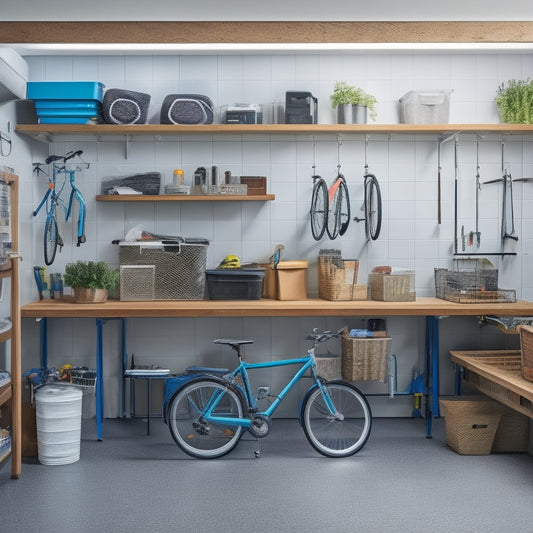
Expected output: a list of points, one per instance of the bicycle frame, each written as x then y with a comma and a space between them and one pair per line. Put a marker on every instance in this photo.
242, 369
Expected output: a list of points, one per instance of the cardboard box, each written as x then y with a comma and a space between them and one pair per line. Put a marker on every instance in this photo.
288, 281
256, 185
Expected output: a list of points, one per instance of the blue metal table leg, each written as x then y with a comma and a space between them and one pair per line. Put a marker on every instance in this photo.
435, 364
124, 367
44, 342
99, 380
431, 372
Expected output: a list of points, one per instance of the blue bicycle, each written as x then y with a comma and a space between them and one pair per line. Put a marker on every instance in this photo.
208, 414
52, 198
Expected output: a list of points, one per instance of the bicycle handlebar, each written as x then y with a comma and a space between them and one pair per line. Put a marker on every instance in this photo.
64, 158
323, 336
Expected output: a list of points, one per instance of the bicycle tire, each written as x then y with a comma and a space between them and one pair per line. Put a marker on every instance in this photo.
331, 436
373, 208
197, 437
344, 207
338, 217
319, 209
50, 240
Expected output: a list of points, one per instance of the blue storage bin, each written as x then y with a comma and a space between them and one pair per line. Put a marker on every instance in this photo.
65, 90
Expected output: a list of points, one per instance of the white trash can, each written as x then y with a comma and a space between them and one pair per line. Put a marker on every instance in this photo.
58, 417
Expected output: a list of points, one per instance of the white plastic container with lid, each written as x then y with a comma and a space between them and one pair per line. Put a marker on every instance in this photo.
425, 107
58, 417
13, 75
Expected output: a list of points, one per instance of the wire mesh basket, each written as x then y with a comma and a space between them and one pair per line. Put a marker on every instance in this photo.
179, 267
475, 285
84, 378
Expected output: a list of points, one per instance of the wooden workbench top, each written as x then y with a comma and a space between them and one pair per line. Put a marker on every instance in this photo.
265, 307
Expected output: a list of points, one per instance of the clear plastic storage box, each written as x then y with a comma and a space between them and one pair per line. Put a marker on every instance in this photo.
425, 107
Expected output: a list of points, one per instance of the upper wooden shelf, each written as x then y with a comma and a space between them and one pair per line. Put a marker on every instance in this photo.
46, 132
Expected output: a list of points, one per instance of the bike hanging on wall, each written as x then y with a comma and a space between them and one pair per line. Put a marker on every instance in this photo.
52, 199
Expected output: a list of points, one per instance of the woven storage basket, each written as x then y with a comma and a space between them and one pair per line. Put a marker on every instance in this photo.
526, 347
392, 287
328, 366
365, 359
337, 279
471, 424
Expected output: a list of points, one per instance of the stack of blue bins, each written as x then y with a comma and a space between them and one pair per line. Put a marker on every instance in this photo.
67, 102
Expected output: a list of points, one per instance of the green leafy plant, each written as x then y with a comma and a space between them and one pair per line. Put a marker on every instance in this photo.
515, 100
344, 93
91, 275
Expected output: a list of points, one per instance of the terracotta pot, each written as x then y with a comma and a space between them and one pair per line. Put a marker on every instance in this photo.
89, 296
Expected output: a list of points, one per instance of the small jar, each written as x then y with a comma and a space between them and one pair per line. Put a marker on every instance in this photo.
178, 177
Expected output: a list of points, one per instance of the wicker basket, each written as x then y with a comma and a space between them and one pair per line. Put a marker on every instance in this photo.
365, 359
328, 366
526, 348
392, 287
471, 424
337, 279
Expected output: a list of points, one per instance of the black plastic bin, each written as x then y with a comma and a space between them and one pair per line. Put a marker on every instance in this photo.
235, 284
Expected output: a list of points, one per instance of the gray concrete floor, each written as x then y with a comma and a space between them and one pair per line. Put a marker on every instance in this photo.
400, 481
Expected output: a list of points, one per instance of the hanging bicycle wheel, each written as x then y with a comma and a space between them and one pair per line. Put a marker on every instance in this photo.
344, 207
51, 240
373, 208
319, 209
344, 433
338, 217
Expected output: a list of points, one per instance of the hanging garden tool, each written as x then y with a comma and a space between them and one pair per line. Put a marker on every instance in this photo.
276, 256
508, 228
439, 169
475, 236
417, 389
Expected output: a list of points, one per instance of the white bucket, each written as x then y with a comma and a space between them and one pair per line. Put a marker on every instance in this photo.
58, 417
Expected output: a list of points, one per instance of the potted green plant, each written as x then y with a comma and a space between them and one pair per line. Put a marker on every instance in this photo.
353, 103
91, 281
515, 101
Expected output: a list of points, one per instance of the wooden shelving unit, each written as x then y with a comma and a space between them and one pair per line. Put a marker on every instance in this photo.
46, 132
11, 394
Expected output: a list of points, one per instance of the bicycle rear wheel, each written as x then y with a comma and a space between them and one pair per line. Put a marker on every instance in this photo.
337, 436
373, 208
319, 209
51, 240
192, 432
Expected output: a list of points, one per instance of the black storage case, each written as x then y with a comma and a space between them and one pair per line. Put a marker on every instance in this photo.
235, 284
301, 107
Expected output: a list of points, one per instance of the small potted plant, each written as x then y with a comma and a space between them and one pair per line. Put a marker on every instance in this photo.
515, 101
353, 104
91, 281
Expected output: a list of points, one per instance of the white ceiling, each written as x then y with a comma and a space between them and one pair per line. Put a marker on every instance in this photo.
250, 10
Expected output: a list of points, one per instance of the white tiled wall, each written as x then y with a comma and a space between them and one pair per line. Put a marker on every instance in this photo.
406, 166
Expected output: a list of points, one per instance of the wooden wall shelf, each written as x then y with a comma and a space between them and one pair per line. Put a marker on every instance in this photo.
46, 132
183, 198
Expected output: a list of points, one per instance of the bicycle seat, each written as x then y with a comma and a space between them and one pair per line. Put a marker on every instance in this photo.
233, 342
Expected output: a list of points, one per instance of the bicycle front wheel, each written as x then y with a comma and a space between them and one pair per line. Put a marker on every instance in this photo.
344, 433
51, 239
319, 209
190, 429
373, 209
